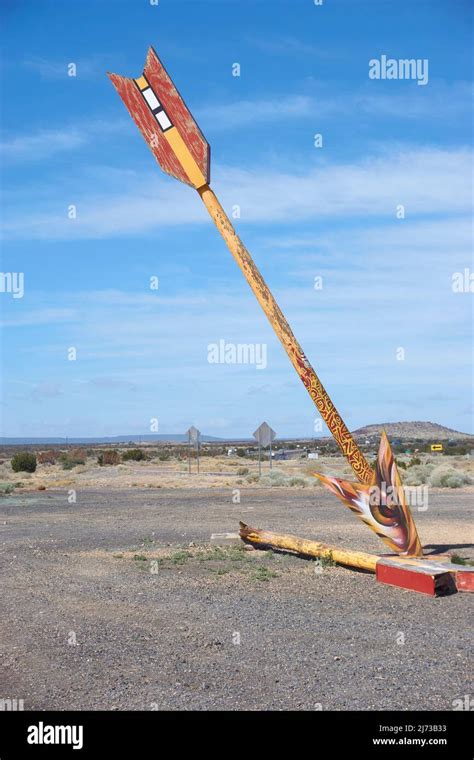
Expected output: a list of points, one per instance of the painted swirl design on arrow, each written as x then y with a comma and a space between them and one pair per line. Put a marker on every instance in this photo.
382, 504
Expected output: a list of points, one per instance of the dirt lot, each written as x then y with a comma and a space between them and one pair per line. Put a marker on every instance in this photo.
118, 602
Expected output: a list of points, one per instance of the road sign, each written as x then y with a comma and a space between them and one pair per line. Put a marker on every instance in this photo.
193, 440
181, 150
193, 434
264, 435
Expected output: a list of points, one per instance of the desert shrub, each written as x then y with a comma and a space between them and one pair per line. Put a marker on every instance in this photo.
295, 481
447, 477
48, 457
457, 450
24, 461
108, 457
134, 455
456, 480
311, 467
72, 458
243, 471
418, 475
274, 478
163, 456
240, 452
414, 462
78, 456
6, 488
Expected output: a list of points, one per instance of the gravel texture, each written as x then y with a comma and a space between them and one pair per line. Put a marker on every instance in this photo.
118, 602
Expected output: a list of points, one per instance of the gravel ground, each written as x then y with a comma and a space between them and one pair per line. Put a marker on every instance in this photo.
101, 608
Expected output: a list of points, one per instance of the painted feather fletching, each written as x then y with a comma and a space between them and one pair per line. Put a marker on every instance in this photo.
382, 504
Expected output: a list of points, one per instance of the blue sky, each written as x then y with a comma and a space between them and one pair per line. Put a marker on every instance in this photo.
306, 212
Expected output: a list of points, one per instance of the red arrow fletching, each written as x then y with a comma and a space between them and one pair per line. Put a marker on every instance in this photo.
165, 122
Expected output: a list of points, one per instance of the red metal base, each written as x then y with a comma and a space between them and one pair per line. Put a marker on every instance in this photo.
424, 580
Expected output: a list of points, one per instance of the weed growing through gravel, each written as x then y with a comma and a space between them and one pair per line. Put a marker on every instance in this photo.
179, 557
233, 553
228, 559
263, 573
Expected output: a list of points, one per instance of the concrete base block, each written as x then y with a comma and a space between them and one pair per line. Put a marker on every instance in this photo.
225, 539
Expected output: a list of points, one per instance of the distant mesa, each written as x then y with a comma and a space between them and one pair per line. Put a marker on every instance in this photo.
427, 431
123, 439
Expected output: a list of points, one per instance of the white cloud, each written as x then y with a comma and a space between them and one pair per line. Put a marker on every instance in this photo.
428, 181
86, 68
40, 316
46, 143
243, 112
442, 101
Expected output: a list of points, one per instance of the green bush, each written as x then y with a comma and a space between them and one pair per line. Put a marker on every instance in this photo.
243, 471
163, 456
24, 461
135, 455
240, 452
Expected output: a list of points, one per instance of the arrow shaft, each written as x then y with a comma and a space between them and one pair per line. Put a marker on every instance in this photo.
312, 383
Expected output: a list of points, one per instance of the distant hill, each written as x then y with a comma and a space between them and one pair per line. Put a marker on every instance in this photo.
427, 431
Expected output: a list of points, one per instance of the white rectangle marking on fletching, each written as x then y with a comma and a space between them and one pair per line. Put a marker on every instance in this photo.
151, 98
163, 120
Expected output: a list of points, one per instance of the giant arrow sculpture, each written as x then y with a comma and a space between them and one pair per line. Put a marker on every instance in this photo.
182, 151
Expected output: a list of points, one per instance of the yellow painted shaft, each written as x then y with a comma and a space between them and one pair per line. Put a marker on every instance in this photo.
285, 541
313, 385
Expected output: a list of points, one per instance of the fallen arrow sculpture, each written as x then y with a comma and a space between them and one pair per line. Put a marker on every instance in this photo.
435, 576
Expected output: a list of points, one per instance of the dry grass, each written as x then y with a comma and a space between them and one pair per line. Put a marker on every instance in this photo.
218, 472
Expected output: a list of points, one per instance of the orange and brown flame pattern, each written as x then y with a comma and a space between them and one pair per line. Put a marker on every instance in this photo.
381, 504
